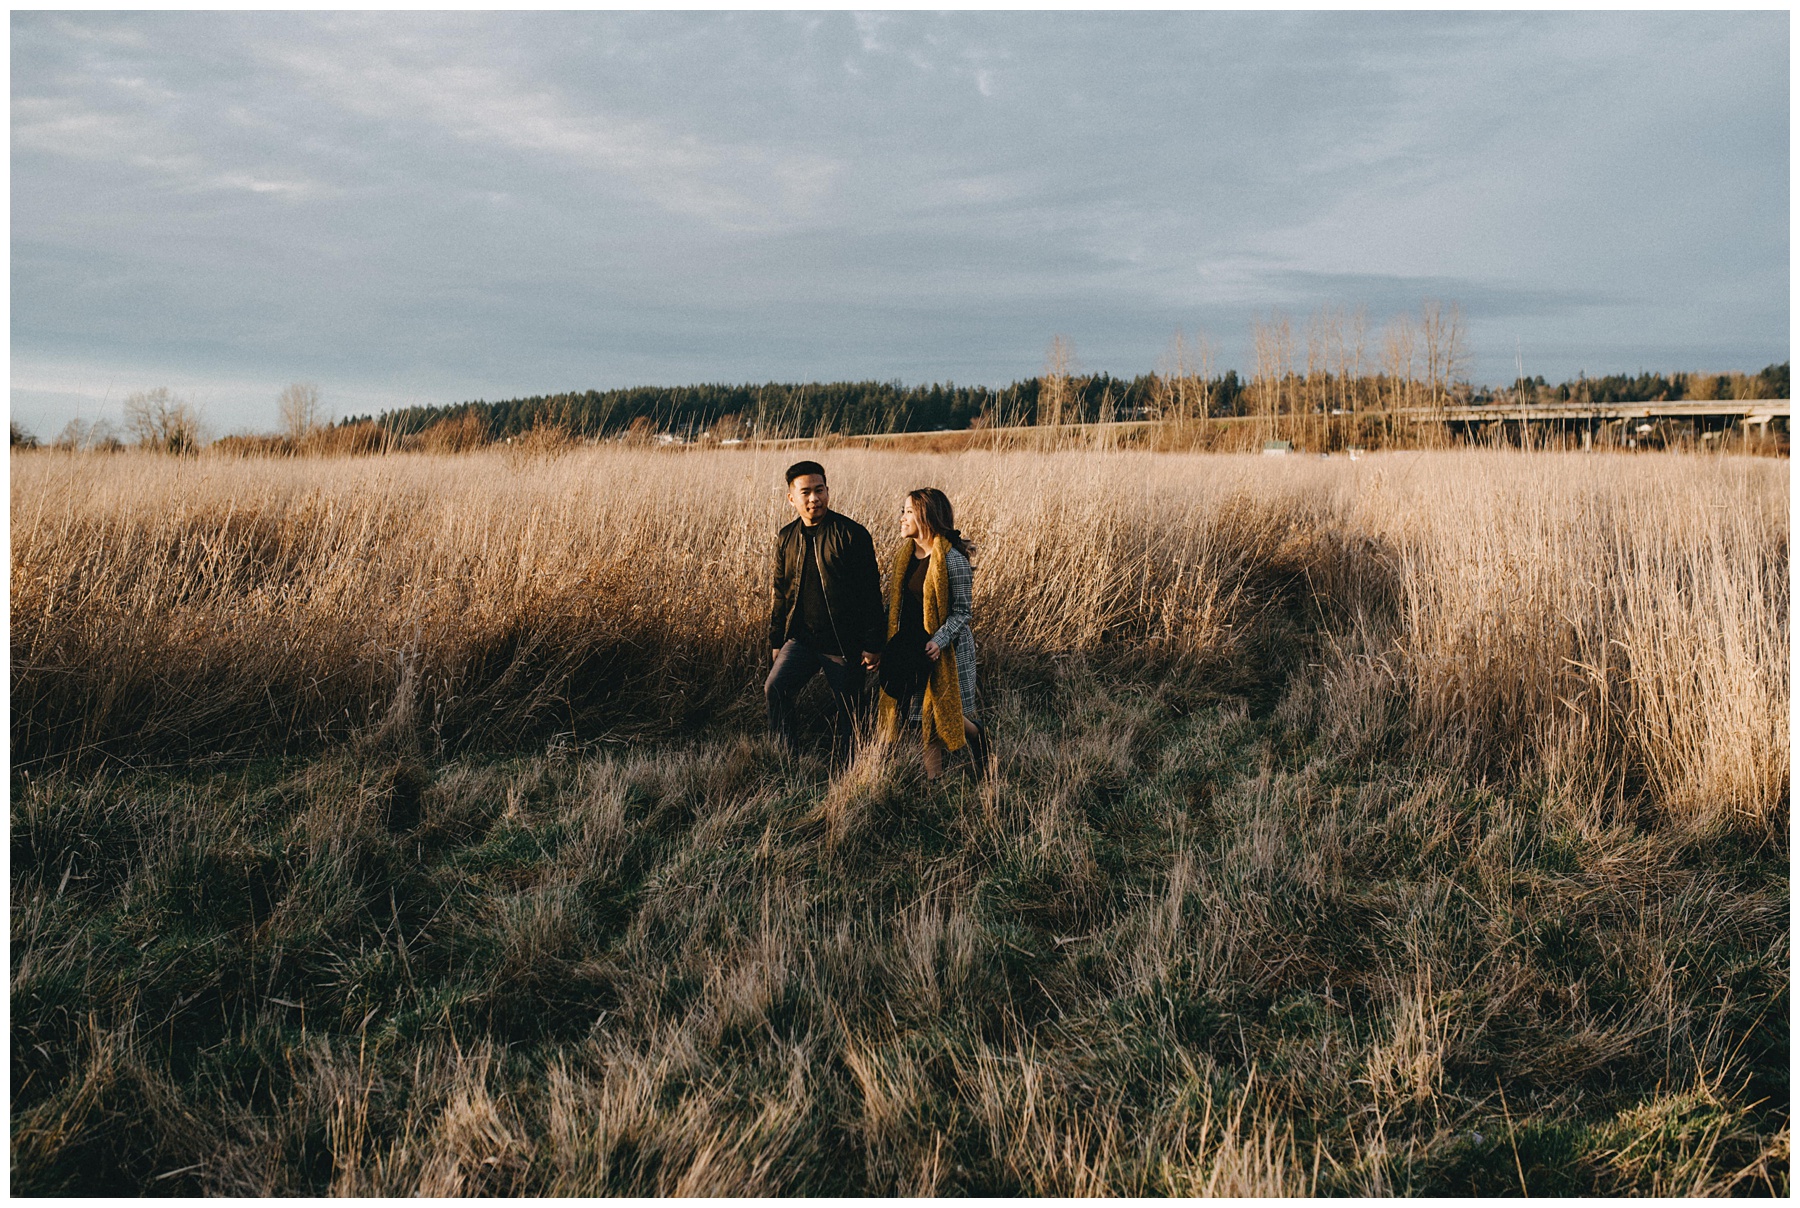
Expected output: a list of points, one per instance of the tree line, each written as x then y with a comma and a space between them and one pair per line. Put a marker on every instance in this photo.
1309, 376
1326, 373
784, 409
1770, 383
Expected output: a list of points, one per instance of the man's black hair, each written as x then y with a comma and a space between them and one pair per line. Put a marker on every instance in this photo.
800, 468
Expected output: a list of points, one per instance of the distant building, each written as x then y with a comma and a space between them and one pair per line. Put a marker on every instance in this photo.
1277, 448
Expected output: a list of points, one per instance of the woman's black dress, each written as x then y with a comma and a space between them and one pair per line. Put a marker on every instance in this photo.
904, 665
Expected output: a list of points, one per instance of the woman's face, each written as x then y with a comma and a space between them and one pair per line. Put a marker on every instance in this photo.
909, 520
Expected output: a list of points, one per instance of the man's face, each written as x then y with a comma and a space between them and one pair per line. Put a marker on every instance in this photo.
810, 497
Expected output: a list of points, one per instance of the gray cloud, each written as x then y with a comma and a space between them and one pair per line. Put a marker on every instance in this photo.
429, 207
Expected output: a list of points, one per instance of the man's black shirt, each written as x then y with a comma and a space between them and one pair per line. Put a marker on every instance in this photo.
812, 619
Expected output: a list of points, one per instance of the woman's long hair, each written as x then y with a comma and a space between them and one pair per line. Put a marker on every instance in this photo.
933, 507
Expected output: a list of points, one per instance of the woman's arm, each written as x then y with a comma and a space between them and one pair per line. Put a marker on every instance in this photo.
962, 582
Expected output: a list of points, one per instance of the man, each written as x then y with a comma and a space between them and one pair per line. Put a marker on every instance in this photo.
828, 613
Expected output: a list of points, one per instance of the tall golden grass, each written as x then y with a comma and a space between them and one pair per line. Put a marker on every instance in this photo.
1408, 824
1619, 624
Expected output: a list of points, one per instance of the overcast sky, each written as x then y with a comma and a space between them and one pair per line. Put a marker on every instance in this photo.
436, 207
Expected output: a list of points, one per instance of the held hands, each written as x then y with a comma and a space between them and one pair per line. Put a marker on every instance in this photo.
932, 652
869, 659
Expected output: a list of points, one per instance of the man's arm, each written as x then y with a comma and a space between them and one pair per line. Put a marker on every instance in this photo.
866, 578
778, 610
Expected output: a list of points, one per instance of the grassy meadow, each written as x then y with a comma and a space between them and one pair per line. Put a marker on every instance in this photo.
406, 824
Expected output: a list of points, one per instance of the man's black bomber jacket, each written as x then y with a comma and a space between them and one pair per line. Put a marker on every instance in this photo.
847, 573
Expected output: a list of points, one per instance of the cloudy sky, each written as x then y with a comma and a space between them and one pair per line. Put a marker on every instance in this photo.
436, 207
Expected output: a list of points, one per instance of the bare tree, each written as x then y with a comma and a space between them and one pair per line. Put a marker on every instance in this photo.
74, 435
300, 409
78, 434
162, 421
1318, 362
1262, 376
1162, 389
1446, 355
1056, 390
1399, 353
1196, 383
1355, 340
1343, 336
1184, 381
1274, 344
1431, 333
1456, 348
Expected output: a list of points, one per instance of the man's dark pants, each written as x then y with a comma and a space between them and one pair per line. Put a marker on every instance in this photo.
795, 664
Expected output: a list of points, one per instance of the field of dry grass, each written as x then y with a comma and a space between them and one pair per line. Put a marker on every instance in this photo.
405, 823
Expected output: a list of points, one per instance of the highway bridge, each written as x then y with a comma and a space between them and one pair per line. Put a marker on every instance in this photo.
1615, 423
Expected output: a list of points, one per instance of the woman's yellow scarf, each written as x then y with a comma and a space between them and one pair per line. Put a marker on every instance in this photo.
943, 693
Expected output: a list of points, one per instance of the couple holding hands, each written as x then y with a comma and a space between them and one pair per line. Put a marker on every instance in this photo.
829, 616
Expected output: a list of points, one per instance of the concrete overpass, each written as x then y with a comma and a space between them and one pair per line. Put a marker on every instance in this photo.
1617, 423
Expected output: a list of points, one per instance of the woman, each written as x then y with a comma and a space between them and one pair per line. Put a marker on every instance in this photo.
929, 662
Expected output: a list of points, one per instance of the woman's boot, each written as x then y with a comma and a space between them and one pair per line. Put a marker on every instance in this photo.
978, 749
